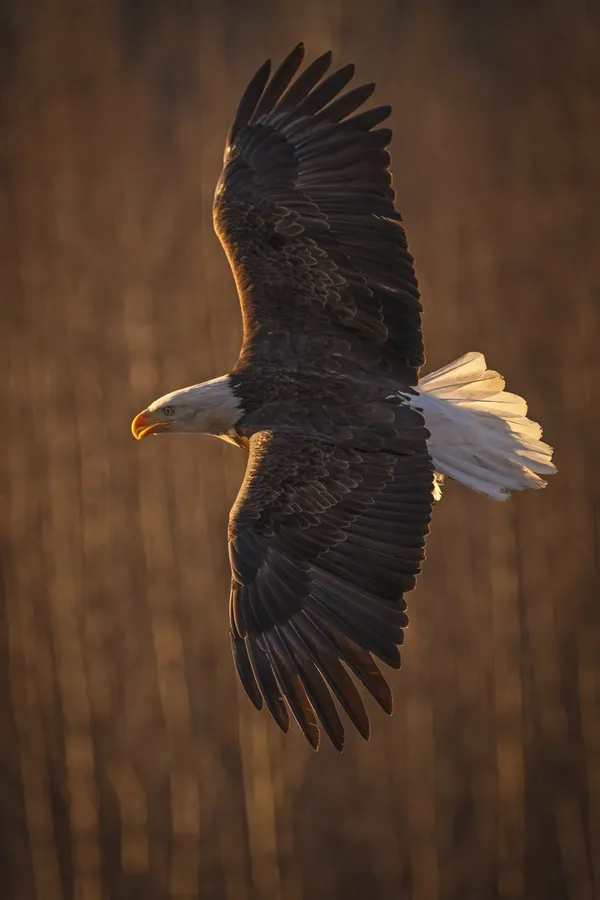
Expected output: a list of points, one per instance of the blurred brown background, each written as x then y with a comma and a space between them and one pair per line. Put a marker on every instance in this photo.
131, 764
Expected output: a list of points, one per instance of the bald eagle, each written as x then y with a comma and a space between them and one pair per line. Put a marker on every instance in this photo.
347, 447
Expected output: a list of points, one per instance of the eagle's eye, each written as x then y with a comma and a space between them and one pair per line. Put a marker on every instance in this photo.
168, 410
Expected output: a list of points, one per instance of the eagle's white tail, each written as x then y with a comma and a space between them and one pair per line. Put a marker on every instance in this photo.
480, 434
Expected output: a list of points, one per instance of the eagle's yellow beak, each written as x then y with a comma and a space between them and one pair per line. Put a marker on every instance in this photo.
141, 426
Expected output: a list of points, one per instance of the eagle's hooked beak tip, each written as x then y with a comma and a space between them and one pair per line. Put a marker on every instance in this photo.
139, 425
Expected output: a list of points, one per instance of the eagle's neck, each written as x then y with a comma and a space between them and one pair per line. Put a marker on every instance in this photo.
218, 406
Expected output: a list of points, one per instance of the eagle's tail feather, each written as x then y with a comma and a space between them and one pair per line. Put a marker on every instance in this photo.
480, 433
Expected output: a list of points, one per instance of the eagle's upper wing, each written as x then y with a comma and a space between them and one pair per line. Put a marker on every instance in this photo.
323, 543
305, 211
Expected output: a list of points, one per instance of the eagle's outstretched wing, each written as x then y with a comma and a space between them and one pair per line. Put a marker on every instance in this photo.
323, 542
305, 211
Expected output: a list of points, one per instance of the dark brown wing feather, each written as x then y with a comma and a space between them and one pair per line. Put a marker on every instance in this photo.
324, 541
305, 211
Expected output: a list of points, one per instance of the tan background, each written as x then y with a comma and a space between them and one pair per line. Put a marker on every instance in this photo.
131, 764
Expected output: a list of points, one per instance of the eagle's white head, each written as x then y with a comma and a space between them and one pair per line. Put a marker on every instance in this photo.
209, 408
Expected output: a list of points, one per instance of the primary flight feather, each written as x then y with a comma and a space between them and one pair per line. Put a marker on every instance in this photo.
346, 447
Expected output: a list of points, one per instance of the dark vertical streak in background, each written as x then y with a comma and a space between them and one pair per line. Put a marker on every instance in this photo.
131, 765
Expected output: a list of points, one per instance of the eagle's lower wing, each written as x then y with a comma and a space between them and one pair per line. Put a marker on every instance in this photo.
305, 211
324, 541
